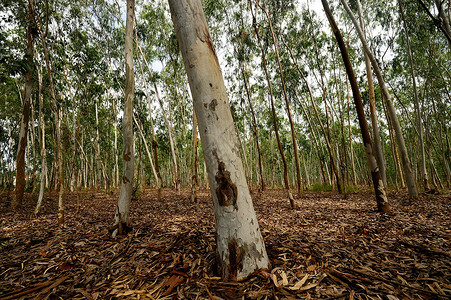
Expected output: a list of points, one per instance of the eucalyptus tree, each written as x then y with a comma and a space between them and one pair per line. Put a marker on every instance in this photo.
287, 104
374, 120
240, 245
409, 174
272, 107
424, 173
122, 221
22, 144
381, 198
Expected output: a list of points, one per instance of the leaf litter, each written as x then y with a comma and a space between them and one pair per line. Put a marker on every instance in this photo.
329, 247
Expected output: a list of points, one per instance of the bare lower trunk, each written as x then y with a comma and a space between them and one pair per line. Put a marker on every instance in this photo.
60, 167
240, 247
194, 184
22, 145
410, 176
381, 198
273, 113
122, 221
424, 173
377, 145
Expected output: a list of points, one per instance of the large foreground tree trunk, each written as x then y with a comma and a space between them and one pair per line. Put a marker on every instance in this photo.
240, 246
381, 198
123, 204
20, 161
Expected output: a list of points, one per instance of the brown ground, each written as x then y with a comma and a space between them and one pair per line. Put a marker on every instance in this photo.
328, 248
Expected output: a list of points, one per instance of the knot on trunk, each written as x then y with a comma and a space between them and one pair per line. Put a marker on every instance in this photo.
226, 191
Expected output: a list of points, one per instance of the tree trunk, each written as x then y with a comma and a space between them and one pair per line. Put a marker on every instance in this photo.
194, 183
287, 105
240, 246
22, 145
273, 112
381, 198
122, 221
148, 153
175, 178
255, 129
377, 145
410, 176
158, 179
424, 173
43, 154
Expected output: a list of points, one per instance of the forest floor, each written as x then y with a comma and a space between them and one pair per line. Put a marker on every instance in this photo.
329, 247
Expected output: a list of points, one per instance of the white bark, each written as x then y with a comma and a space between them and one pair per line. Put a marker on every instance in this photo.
123, 203
240, 245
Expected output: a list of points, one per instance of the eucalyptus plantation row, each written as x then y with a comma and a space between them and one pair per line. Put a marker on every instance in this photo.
63, 103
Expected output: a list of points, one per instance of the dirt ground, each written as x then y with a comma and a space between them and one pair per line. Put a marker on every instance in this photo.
329, 247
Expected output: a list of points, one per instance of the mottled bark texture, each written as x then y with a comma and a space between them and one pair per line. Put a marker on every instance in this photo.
240, 246
122, 223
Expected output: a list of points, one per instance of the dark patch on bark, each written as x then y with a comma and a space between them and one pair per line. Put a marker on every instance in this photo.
191, 66
211, 85
205, 105
236, 255
127, 156
125, 180
213, 104
226, 191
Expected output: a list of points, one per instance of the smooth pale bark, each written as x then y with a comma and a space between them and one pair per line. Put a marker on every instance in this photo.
419, 124
240, 246
194, 182
273, 111
22, 145
122, 221
377, 145
408, 173
381, 198
60, 167
43, 152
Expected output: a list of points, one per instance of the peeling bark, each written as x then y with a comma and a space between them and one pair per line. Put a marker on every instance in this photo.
238, 234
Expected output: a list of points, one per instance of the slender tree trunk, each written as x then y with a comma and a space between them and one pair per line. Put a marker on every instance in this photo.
58, 117
194, 183
158, 179
43, 153
176, 179
148, 152
22, 145
122, 221
287, 105
255, 130
410, 176
381, 198
377, 145
273, 112
240, 249
57, 114
424, 173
